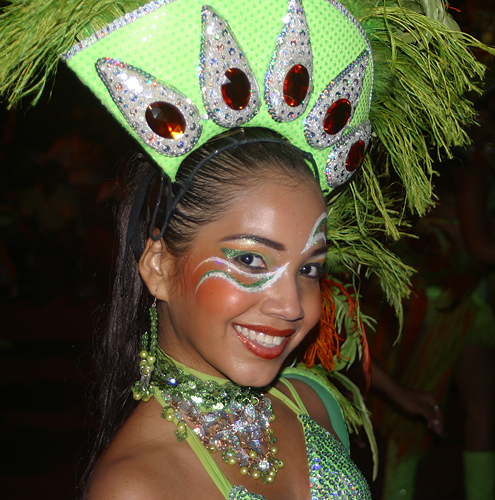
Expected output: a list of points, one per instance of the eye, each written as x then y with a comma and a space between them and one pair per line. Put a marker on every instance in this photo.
313, 271
252, 261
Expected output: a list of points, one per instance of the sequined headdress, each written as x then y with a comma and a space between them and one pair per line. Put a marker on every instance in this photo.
177, 72
380, 84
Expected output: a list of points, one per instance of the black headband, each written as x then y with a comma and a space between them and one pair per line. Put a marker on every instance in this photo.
133, 234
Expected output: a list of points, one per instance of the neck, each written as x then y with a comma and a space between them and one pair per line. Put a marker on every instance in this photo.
224, 416
162, 356
167, 368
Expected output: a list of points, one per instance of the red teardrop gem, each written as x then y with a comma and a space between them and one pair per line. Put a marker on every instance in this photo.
355, 156
236, 90
296, 85
337, 116
165, 120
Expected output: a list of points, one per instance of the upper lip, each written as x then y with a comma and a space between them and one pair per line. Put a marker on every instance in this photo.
268, 330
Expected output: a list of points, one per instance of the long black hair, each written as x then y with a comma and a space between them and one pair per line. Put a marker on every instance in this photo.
215, 185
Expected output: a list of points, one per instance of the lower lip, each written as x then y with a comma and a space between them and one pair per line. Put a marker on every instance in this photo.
261, 351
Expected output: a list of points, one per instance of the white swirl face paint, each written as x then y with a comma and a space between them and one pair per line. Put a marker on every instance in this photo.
317, 234
240, 278
239, 275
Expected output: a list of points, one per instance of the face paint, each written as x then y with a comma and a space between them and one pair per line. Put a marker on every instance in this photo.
213, 321
245, 280
316, 233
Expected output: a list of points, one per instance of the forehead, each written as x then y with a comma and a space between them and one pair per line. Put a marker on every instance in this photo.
279, 210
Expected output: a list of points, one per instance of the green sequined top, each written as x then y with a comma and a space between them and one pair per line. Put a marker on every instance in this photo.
332, 472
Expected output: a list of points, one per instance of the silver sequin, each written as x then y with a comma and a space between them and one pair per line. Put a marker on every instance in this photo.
335, 170
293, 48
133, 90
219, 53
347, 85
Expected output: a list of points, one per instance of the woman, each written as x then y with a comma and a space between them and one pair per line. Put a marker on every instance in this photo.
233, 251
236, 283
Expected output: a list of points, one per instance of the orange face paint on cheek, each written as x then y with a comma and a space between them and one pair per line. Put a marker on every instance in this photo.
218, 294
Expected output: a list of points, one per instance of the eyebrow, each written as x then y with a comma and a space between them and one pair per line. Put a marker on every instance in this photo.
257, 239
317, 252
322, 250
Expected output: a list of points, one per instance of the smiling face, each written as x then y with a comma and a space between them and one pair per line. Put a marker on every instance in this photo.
248, 291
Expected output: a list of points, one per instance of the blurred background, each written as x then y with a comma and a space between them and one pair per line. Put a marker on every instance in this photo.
58, 164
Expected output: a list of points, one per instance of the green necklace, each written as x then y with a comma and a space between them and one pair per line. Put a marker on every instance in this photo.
226, 417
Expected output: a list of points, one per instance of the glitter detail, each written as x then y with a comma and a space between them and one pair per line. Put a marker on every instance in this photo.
336, 172
226, 417
261, 281
124, 20
332, 473
293, 48
220, 53
347, 85
134, 90
316, 234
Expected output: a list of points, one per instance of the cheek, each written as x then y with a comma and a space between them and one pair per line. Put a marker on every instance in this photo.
312, 306
221, 297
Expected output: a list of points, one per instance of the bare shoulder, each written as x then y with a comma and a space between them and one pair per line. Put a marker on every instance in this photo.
312, 402
140, 464
126, 479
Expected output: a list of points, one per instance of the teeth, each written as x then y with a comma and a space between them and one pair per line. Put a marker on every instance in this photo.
260, 338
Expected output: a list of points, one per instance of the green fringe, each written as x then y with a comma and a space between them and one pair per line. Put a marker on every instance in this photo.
34, 33
356, 235
350, 326
364, 415
425, 72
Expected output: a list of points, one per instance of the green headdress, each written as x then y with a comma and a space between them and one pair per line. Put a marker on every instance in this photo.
375, 83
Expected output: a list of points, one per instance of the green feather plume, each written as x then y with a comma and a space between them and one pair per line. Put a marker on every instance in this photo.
425, 75
34, 33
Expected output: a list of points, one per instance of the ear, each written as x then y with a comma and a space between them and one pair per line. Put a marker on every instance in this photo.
155, 265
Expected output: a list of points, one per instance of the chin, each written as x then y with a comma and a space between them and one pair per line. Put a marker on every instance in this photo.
256, 376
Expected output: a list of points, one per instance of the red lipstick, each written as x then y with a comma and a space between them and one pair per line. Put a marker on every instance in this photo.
262, 351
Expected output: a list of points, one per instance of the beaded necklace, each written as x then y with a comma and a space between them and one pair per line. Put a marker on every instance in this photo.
226, 417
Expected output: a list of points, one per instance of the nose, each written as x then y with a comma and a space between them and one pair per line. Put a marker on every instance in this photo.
283, 299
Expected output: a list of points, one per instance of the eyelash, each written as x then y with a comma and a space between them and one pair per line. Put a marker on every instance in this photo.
248, 265
241, 259
320, 269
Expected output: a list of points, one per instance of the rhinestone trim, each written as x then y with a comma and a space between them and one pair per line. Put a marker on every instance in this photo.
347, 85
124, 20
335, 170
220, 52
293, 47
133, 90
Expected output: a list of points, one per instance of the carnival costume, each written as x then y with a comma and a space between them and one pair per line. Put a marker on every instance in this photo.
213, 402
366, 90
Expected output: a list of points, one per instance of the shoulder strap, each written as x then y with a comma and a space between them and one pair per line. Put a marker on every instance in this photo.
205, 457
325, 390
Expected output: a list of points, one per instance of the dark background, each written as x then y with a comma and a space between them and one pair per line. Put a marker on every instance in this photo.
52, 284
